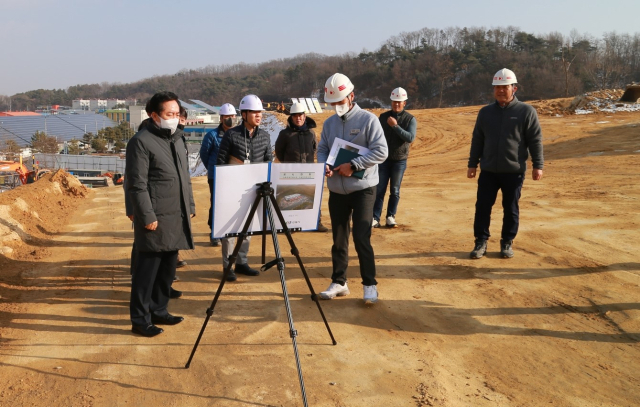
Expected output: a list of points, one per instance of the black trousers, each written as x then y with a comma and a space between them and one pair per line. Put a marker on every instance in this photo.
356, 207
151, 285
488, 185
210, 181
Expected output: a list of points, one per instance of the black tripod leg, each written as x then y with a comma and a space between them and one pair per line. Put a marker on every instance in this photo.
292, 331
232, 260
296, 253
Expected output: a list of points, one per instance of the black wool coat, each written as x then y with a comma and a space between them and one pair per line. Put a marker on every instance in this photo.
295, 145
159, 188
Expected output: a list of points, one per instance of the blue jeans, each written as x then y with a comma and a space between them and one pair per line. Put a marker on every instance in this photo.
390, 170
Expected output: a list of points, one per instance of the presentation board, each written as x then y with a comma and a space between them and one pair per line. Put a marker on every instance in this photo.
312, 108
316, 104
297, 189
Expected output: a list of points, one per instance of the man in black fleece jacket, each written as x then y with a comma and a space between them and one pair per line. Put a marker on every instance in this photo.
244, 144
505, 133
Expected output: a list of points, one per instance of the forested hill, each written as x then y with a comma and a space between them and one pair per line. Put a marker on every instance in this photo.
449, 67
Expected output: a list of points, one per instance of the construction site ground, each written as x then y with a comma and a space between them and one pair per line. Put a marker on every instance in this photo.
557, 325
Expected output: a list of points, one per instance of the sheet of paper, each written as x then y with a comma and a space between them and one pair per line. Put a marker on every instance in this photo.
339, 143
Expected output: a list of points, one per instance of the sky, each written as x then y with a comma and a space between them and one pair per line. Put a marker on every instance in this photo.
48, 44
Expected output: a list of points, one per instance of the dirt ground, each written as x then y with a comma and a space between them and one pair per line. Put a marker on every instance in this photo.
559, 324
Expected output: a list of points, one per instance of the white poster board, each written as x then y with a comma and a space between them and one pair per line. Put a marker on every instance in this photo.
316, 103
312, 108
297, 189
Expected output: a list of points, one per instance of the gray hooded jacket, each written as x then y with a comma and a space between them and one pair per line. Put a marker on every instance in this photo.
362, 128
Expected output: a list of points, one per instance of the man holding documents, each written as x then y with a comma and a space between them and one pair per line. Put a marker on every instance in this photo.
352, 184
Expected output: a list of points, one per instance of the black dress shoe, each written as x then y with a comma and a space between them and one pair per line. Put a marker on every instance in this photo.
246, 270
181, 263
166, 319
175, 293
215, 242
146, 330
231, 276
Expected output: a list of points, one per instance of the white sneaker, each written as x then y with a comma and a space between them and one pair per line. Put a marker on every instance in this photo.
391, 222
375, 224
370, 294
335, 290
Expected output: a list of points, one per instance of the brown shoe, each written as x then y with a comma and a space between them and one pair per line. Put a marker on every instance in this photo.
322, 228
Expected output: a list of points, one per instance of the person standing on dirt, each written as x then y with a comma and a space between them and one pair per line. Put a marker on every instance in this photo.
297, 143
244, 144
351, 199
209, 153
399, 131
182, 121
505, 133
159, 187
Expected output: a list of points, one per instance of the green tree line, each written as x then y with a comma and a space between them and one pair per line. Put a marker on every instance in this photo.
438, 67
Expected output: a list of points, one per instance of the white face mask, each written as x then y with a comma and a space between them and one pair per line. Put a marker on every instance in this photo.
342, 109
171, 124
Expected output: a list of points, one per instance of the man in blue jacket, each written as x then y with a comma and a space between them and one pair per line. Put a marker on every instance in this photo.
351, 198
209, 152
505, 133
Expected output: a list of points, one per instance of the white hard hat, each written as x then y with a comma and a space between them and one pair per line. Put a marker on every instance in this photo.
227, 110
504, 77
337, 87
297, 108
398, 95
251, 102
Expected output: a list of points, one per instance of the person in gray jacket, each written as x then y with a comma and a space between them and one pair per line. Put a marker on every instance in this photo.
159, 187
505, 133
351, 199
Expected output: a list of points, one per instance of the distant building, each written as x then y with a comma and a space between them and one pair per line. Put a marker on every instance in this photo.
137, 115
118, 115
101, 104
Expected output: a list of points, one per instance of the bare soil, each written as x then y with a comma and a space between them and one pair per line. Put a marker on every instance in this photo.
559, 324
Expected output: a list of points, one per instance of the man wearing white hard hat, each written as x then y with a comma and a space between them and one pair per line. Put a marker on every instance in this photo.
399, 131
506, 132
209, 151
244, 144
297, 143
351, 199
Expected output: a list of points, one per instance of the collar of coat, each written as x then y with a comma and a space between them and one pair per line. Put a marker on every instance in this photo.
153, 127
510, 104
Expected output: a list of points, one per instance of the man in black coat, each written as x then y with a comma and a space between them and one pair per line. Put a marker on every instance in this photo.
505, 133
244, 144
159, 187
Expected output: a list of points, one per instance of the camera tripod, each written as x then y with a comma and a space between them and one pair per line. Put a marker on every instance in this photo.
265, 194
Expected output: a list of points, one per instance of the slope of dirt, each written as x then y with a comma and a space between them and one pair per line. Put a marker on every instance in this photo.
559, 324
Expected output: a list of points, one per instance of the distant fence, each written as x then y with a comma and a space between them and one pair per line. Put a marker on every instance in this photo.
84, 162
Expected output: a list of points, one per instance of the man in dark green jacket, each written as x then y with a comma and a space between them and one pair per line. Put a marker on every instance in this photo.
159, 187
505, 133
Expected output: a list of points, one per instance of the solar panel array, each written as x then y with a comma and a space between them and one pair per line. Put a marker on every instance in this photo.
64, 127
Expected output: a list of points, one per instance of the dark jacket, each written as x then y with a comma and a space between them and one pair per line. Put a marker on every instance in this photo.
159, 188
503, 138
209, 149
295, 144
400, 137
237, 143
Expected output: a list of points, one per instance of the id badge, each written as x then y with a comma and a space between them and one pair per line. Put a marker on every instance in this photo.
247, 161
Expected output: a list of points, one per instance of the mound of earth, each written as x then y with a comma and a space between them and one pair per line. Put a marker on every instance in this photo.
31, 213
